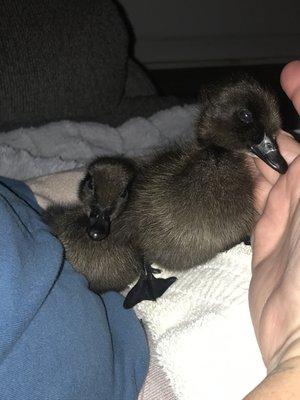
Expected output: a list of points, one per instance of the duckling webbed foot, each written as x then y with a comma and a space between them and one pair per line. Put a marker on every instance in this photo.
148, 287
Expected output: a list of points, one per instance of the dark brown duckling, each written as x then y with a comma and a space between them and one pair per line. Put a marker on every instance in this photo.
92, 236
89, 231
194, 201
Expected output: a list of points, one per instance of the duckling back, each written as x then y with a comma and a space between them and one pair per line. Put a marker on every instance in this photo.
190, 204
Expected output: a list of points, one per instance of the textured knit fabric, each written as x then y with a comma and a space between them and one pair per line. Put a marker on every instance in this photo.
58, 340
60, 58
66, 60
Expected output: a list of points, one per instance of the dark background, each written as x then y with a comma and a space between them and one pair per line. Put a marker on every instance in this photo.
184, 44
187, 82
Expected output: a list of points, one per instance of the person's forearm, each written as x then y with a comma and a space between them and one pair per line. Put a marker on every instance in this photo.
283, 382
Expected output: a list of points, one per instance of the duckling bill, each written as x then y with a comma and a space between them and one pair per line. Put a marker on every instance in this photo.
98, 224
268, 151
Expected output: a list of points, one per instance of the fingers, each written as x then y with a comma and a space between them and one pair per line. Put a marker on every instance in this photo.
290, 82
261, 193
293, 185
267, 172
289, 148
281, 204
272, 223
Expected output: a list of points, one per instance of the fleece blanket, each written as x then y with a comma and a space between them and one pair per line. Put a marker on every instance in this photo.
30, 152
200, 329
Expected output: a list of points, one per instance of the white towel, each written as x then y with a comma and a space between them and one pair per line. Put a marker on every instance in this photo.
203, 332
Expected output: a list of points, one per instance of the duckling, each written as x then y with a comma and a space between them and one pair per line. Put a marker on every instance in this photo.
92, 238
89, 231
193, 201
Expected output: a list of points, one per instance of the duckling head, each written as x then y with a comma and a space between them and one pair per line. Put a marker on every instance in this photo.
242, 116
104, 192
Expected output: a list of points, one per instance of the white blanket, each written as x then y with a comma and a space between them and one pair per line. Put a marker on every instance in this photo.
201, 327
30, 152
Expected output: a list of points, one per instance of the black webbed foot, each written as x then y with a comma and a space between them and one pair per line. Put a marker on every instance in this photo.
247, 240
147, 287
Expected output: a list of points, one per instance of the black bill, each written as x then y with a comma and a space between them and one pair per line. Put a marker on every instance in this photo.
268, 151
99, 225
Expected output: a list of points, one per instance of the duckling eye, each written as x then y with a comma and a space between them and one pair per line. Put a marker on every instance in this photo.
245, 116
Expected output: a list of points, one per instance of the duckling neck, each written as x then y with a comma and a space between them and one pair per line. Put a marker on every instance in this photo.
206, 157
211, 141
210, 168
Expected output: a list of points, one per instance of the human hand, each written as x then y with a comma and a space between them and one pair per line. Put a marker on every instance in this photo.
274, 294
